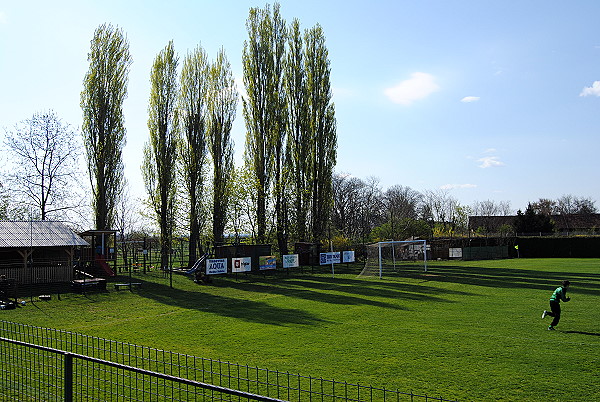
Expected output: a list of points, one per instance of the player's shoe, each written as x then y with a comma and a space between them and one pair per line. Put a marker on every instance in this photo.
544, 314
551, 328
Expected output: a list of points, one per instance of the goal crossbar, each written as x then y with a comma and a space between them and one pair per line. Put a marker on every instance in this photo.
401, 242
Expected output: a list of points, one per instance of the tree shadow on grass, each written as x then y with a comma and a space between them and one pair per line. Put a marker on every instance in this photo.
345, 291
581, 333
377, 289
337, 291
584, 283
243, 309
305, 290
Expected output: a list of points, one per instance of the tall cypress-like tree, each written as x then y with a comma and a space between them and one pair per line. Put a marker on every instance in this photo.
322, 128
298, 140
264, 108
105, 89
160, 152
193, 148
278, 135
222, 103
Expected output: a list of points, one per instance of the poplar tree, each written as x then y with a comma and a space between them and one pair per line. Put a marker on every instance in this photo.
222, 105
298, 140
322, 129
160, 151
104, 90
264, 110
193, 148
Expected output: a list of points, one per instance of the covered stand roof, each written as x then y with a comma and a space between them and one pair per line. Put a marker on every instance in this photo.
22, 234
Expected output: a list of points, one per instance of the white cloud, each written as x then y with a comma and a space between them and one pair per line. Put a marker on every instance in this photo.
594, 90
490, 161
489, 151
453, 186
469, 99
419, 86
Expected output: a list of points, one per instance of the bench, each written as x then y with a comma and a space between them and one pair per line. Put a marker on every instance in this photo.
94, 283
130, 285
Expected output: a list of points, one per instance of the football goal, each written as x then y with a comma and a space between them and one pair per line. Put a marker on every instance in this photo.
388, 257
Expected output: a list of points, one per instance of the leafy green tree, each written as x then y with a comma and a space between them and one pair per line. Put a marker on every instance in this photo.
194, 84
506, 230
299, 141
242, 191
405, 228
278, 134
322, 129
222, 105
264, 107
104, 90
159, 166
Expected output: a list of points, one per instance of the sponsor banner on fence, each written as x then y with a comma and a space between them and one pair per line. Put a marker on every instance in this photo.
216, 266
455, 252
291, 261
329, 258
267, 262
242, 264
348, 256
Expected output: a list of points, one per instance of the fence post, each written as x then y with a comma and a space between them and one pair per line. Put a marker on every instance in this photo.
68, 377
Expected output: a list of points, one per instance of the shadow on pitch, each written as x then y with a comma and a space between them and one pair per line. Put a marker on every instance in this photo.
256, 311
586, 283
582, 333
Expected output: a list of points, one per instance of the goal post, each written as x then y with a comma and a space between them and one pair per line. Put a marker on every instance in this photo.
388, 256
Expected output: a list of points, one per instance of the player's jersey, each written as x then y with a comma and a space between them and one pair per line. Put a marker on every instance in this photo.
559, 294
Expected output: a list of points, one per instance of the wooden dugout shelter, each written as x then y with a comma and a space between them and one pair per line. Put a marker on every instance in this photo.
38, 251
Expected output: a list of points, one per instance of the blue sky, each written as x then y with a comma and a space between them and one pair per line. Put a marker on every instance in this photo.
489, 100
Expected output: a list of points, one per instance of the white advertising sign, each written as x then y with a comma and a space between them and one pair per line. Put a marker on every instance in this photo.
455, 252
291, 261
242, 264
216, 266
336, 256
329, 258
348, 256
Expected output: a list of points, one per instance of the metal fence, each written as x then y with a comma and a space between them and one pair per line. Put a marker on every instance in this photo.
43, 364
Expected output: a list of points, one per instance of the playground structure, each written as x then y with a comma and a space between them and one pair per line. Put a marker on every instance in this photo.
100, 258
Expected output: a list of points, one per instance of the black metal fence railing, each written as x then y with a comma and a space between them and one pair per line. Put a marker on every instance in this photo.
48, 364
49, 374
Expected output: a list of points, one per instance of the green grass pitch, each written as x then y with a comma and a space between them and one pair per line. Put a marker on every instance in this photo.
465, 330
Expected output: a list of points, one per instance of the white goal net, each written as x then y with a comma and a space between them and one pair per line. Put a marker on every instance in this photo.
389, 257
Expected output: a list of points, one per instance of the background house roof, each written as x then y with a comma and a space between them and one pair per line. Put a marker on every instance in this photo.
37, 234
561, 222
